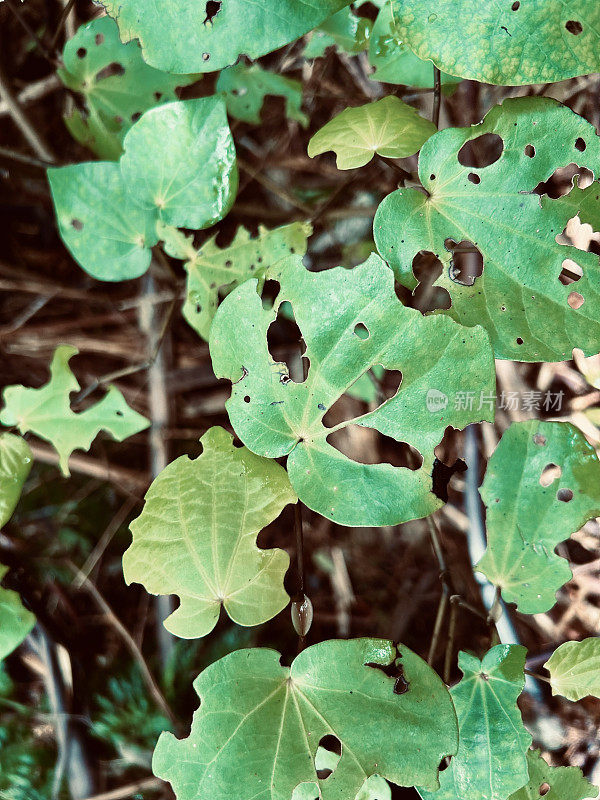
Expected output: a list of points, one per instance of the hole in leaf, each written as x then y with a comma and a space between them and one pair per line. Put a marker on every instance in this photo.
483, 151
529, 150
519, 340
574, 26
580, 145
441, 475
82, 52
474, 178
515, 6
328, 755
368, 446
564, 495
286, 345
550, 473
544, 789
427, 268
247, 398
77, 224
136, 116
212, 9
394, 670
560, 182
99, 38
157, 95
575, 300
570, 273
467, 262
269, 292
110, 70
539, 439
205, 56
361, 331
119, 413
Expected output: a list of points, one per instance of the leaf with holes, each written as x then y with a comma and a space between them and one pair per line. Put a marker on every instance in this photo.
192, 36
374, 788
213, 271
15, 620
106, 232
259, 724
506, 43
542, 484
345, 31
16, 461
245, 88
180, 160
47, 411
394, 62
116, 84
388, 127
574, 669
530, 314
491, 762
196, 537
553, 783
365, 325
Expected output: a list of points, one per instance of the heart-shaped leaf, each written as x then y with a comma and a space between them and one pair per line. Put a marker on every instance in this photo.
245, 88
388, 127
196, 537
259, 724
192, 36
542, 484
116, 84
574, 669
15, 620
557, 783
47, 411
519, 298
364, 325
213, 271
543, 41
491, 762
16, 461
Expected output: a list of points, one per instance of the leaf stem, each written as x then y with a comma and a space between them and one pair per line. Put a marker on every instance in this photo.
437, 96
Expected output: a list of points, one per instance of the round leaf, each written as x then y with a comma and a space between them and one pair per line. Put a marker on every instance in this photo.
506, 43
275, 416
574, 669
16, 461
562, 783
245, 89
196, 537
519, 298
259, 724
15, 620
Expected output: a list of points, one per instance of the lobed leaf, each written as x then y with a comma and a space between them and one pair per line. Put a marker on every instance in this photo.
259, 724
116, 84
47, 411
542, 484
196, 537
503, 42
519, 298
388, 127
345, 30
188, 36
559, 783
213, 271
574, 669
491, 762
364, 325
245, 88
16, 461
15, 620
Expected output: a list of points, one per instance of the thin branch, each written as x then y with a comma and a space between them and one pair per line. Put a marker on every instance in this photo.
36, 141
437, 96
128, 791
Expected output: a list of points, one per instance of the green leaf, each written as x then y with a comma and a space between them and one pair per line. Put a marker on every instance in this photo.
15, 620
509, 44
180, 159
394, 62
531, 509
565, 783
519, 298
105, 231
16, 461
491, 762
47, 411
115, 82
213, 271
187, 36
196, 537
245, 88
574, 669
345, 31
388, 127
259, 724
275, 416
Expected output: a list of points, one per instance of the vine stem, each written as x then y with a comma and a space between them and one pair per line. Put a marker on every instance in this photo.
437, 96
